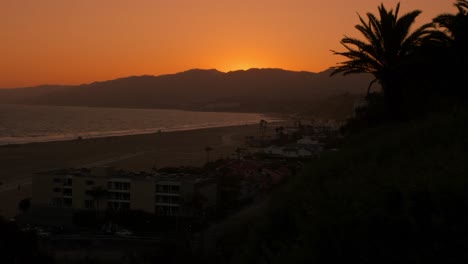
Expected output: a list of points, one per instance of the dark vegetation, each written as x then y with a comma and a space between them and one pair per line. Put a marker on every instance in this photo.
20, 247
391, 194
140, 222
396, 191
420, 71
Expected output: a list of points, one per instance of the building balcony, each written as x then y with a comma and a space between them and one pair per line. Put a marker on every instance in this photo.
118, 200
118, 190
168, 204
168, 193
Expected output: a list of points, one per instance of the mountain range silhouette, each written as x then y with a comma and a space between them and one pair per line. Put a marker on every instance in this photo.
253, 90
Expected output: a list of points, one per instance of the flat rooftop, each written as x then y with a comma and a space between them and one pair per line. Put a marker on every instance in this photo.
108, 172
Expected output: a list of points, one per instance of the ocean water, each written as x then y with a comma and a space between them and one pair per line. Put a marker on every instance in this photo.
27, 123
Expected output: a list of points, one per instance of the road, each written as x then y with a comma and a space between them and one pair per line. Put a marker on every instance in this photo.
112, 160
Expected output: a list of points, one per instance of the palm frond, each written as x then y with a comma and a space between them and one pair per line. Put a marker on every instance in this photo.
462, 6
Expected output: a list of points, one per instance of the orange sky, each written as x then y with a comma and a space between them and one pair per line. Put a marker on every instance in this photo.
74, 42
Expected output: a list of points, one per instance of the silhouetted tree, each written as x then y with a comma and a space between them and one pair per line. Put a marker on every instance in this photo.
98, 193
24, 205
238, 153
208, 150
456, 24
387, 47
456, 28
263, 127
279, 130
19, 247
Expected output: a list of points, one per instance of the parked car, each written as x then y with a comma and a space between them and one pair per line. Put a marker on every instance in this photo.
124, 232
27, 228
42, 233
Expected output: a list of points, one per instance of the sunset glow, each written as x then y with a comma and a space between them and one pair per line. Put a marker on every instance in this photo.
74, 42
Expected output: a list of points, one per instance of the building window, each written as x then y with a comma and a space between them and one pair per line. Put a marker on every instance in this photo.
167, 199
67, 192
67, 202
57, 190
89, 182
118, 196
167, 210
167, 188
118, 186
57, 202
57, 180
175, 188
118, 205
89, 204
68, 182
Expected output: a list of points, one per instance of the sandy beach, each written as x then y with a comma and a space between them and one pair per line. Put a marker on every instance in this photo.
136, 152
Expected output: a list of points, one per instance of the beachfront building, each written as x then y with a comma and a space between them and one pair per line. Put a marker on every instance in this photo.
292, 151
105, 188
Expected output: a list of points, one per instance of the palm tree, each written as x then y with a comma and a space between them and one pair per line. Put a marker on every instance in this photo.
238, 153
208, 150
457, 24
24, 205
98, 193
263, 127
387, 47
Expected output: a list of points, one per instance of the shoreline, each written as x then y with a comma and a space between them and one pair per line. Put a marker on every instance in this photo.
173, 147
58, 134
89, 135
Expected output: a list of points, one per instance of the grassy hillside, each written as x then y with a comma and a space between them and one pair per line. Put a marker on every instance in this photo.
391, 194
